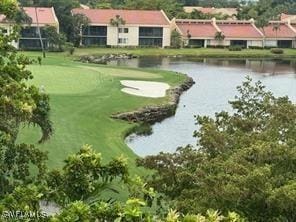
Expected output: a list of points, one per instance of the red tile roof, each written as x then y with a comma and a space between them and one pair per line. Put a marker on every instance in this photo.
197, 29
284, 31
45, 15
142, 17
239, 30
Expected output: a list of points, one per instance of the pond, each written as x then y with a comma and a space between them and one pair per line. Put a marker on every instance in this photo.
216, 82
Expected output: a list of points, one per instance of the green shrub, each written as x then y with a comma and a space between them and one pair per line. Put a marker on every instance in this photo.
277, 51
235, 48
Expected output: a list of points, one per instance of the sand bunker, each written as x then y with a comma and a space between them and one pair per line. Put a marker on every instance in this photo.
145, 88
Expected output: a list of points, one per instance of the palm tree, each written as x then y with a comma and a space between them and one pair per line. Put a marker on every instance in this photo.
276, 27
219, 36
262, 22
116, 22
39, 33
188, 37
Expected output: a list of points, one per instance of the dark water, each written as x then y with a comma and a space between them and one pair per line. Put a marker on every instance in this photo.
216, 82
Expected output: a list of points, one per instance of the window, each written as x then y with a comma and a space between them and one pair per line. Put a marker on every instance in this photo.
150, 42
151, 32
101, 41
242, 43
123, 30
122, 40
95, 30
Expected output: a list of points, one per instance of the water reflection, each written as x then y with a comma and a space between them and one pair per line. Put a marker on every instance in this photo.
272, 66
216, 84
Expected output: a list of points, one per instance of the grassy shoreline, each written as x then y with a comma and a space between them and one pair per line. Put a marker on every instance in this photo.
198, 53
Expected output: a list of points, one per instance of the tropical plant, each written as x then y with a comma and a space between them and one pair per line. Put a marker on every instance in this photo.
84, 177
276, 27
219, 37
117, 22
39, 33
176, 40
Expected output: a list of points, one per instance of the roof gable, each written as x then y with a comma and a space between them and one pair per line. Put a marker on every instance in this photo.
197, 29
243, 29
142, 17
41, 15
44, 15
283, 31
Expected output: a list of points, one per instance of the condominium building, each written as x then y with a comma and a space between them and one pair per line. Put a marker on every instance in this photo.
140, 28
280, 34
29, 35
206, 33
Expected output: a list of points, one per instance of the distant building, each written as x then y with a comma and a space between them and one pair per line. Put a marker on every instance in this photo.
205, 33
242, 33
29, 38
196, 32
141, 28
280, 34
287, 17
231, 12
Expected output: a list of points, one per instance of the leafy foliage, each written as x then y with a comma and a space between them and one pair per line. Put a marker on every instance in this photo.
56, 41
84, 177
176, 40
20, 104
245, 160
77, 22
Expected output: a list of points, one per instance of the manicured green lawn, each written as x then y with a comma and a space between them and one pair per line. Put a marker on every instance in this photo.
201, 52
82, 98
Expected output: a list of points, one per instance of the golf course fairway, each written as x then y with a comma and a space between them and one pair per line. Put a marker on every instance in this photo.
82, 99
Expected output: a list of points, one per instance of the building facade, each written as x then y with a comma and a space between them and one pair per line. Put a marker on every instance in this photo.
29, 34
140, 28
280, 34
212, 33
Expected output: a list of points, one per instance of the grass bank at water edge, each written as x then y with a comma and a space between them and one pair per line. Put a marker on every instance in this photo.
200, 52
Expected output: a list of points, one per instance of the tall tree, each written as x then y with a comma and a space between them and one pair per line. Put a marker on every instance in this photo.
20, 104
76, 27
39, 33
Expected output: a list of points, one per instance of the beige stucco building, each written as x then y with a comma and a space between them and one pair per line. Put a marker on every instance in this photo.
140, 28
